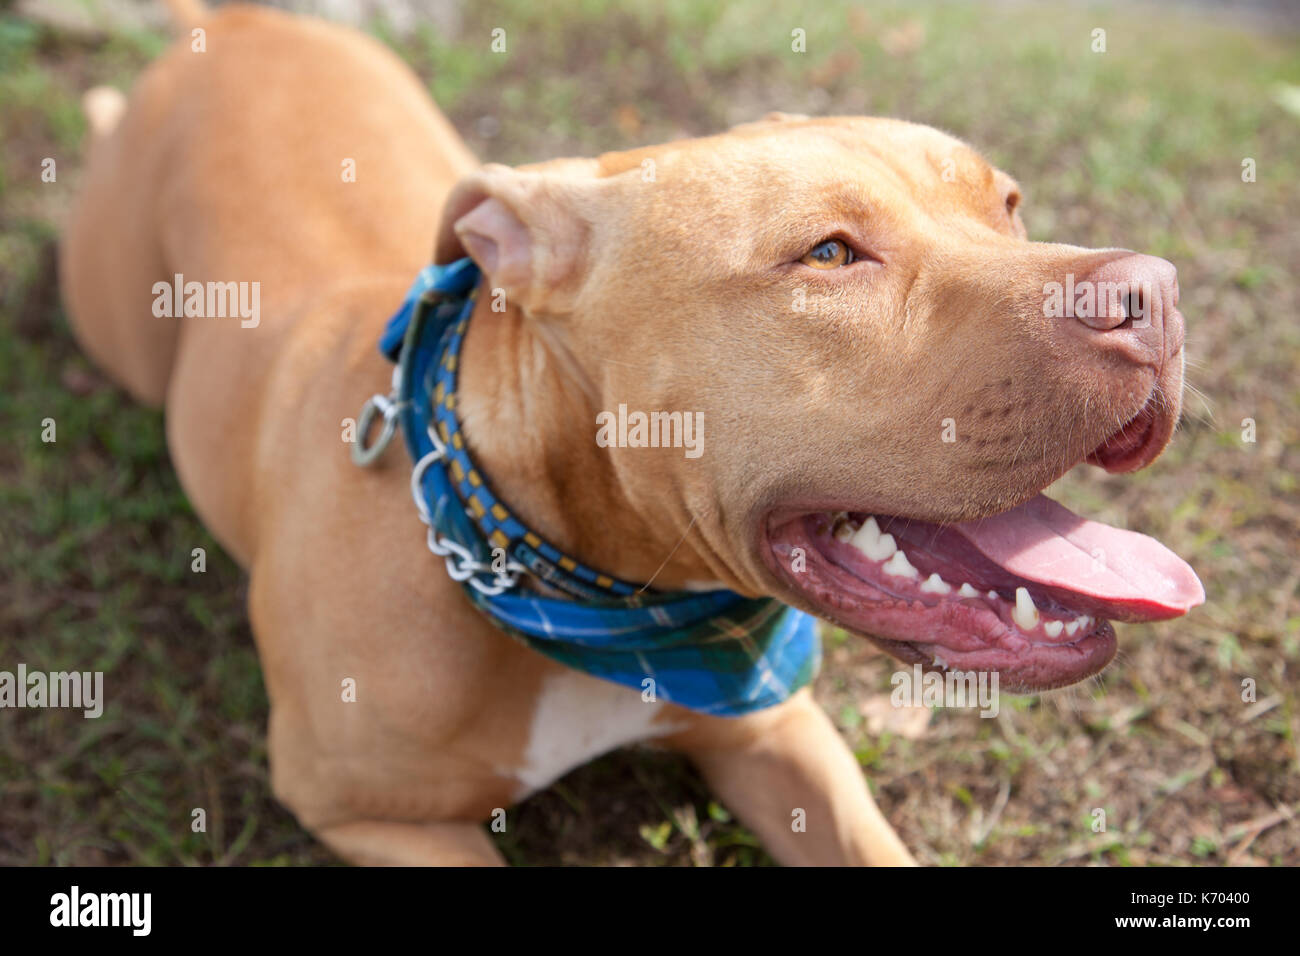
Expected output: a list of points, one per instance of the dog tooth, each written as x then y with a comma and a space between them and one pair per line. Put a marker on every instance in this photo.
1071, 628
1053, 628
936, 585
872, 543
967, 591
866, 535
1084, 621
1026, 614
843, 532
993, 595
900, 567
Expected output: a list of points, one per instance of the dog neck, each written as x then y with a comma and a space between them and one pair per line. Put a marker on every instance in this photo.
528, 411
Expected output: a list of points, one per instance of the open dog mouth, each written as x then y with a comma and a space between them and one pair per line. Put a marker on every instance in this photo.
1029, 593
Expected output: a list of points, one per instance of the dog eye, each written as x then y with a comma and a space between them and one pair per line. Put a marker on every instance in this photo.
828, 254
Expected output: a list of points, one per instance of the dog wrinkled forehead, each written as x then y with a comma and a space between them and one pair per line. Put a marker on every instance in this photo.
914, 154
913, 148
758, 188
905, 163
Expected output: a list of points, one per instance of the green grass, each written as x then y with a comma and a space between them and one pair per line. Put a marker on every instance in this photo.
1141, 147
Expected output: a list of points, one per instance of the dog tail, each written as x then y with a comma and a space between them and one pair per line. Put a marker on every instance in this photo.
186, 14
103, 106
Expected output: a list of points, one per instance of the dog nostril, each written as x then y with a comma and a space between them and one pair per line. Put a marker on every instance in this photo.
1132, 306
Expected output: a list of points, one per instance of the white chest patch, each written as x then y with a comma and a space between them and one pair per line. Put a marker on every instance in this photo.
579, 718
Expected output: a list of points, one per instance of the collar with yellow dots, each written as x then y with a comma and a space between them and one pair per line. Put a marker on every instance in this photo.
424, 338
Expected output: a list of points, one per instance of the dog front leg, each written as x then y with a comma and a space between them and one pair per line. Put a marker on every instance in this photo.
386, 843
790, 778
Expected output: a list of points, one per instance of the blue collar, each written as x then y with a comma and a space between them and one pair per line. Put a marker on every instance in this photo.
716, 652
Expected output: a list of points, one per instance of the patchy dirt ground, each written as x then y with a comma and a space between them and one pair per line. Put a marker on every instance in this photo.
1142, 146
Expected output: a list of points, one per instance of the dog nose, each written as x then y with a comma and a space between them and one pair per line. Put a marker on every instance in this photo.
1129, 305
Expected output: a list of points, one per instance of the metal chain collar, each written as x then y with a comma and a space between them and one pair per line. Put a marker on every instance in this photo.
461, 564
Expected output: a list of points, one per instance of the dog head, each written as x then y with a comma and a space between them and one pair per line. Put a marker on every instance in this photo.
884, 371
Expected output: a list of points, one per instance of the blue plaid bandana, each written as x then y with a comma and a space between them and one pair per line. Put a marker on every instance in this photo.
716, 652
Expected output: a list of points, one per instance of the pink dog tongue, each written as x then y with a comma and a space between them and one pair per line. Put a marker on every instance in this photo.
1135, 576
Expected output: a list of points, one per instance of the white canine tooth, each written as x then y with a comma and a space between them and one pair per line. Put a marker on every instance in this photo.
936, 585
872, 543
1054, 628
1026, 614
1084, 621
967, 591
900, 567
1071, 628
993, 595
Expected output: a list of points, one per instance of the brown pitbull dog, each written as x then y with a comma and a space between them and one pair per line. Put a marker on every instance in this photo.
888, 370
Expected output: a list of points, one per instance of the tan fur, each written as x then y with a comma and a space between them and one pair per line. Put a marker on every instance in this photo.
661, 294
187, 13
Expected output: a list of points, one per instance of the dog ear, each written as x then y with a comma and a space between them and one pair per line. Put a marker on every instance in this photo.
528, 230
